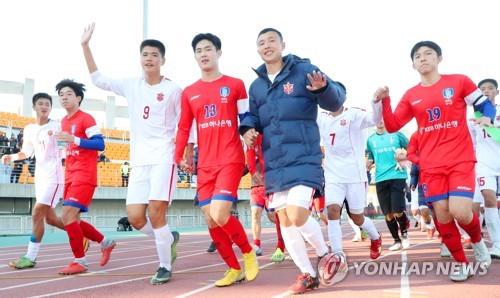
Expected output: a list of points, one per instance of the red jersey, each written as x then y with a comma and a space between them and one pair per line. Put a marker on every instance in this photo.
254, 154
440, 111
81, 164
215, 107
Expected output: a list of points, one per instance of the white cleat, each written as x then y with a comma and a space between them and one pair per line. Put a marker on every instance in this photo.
481, 253
396, 246
461, 273
405, 241
445, 252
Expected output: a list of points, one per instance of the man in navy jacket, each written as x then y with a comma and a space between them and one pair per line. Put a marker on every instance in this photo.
284, 103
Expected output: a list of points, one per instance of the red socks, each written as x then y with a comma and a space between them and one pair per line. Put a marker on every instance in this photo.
281, 242
473, 229
75, 236
451, 238
90, 232
224, 247
257, 242
235, 231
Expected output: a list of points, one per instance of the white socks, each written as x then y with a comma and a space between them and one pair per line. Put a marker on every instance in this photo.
297, 249
493, 225
33, 249
164, 239
312, 232
147, 229
335, 235
370, 229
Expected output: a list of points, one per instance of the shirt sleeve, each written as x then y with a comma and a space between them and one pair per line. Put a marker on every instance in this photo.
401, 116
183, 128
101, 81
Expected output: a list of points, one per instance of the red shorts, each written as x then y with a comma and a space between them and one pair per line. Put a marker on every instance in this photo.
258, 198
318, 204
78, 194
453, 180
219, 183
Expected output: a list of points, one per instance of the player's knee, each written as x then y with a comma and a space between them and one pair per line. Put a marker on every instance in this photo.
333, 211
137, 221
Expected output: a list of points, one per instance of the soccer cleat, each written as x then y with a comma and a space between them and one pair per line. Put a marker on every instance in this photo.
430, 233
251, 265
364, 236
230, 277
461, 273
258, 250
86, 244
106, 252
303, 283
405, 240
396, 246
73, 268
481, 253
445, 252
211, 248
495, 252
467, 244
278, 256
173, 247
375, 248
161, 276
356, 239
23, 263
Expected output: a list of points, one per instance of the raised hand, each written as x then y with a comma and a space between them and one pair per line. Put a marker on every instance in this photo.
380, 94
317, 79
87, 34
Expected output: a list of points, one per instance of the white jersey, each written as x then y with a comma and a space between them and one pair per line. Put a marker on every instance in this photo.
344, 143
154, 112
487, 149
41, 140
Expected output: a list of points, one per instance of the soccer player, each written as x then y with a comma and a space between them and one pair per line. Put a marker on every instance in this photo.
345, 171
390, 181
216, 101
39, 138
488, 169
446, 153
258, 202
284, 103
154, 109
83, 140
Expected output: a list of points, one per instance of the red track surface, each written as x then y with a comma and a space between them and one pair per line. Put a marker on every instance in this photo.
134, 260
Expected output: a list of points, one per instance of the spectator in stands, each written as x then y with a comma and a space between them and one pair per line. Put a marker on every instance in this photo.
4, 141
20, 137
13, 141
125, 170
16, 171
102, 158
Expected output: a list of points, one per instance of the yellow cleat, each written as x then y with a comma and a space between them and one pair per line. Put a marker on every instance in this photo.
251, 265
230, 277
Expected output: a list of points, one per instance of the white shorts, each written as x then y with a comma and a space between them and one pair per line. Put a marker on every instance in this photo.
488, 182
49, 194
414, 200
152, 182
478, 197
299, 195
354, 193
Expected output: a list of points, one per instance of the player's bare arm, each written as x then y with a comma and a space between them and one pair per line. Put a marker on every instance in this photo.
380, 94
89, 58
317, 79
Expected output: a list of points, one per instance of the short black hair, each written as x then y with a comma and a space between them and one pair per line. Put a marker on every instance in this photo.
155, 44
207, 36
270, 30
493, 81
78, 88
37, 96
426, 43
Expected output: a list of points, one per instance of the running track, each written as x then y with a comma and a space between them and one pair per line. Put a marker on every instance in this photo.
134, 260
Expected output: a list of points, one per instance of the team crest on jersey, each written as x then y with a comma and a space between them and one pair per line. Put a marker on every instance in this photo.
448, 93
50, 132
224, 93
160, 96
288, 88
73, 129
343, 122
